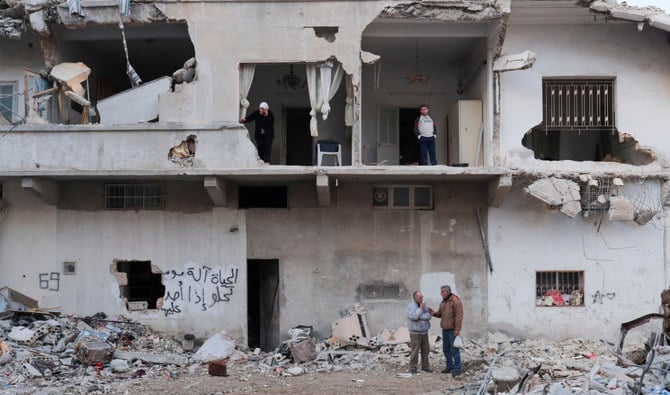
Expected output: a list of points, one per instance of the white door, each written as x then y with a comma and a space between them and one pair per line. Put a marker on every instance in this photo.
387, 136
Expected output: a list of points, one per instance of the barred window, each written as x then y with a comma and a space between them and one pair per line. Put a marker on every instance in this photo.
559, 288
134, 196
578, 103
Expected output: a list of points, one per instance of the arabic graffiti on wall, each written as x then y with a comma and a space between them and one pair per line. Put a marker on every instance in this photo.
198, 288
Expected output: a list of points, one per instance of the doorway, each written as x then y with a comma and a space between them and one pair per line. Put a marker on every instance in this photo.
298, 138
409, 150
263, 303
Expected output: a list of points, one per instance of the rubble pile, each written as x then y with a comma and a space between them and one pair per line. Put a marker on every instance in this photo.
102, 354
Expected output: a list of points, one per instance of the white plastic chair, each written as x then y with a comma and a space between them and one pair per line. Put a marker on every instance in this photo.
328, 146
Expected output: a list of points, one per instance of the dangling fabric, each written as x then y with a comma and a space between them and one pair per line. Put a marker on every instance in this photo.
246, 77
74, 6
124, 7
135, 79
312, 88
321, 89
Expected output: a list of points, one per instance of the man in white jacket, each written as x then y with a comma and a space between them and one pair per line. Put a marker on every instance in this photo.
418, 323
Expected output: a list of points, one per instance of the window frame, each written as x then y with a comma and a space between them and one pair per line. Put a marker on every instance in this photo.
126, 197
608, 84
391, 188
13, 96
580, 281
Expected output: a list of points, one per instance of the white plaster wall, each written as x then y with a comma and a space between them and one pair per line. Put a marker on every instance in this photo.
227, 34
617, 257
326, 254
36, 239
17, 55
638, 61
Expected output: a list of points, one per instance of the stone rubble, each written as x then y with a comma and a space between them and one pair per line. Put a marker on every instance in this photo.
38, 351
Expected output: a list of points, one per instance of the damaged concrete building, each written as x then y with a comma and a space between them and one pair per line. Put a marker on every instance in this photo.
128, 185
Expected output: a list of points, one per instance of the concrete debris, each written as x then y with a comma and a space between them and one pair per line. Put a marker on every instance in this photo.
11, 299
186, 73
621, 209
448, 10
144, 98
518, 365
644, 216
557, 192
654, 16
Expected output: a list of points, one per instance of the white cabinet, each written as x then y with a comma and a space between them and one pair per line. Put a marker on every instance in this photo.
463, 136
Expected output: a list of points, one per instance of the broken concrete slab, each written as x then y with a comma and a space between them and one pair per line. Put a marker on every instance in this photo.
621, 209
520, 61
139, 104
557, 192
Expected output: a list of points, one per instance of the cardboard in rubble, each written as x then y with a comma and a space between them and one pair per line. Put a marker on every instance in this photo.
12, 299
303, 351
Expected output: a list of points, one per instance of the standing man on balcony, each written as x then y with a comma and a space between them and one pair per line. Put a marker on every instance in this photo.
264, 130
426, 131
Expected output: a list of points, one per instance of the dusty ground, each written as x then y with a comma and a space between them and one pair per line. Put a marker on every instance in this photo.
311, 383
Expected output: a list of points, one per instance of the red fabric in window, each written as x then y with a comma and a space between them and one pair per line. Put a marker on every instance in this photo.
557, 296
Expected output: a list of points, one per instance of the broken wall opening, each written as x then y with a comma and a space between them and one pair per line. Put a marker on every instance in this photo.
586, 145
578, 123
140, 284
155, 50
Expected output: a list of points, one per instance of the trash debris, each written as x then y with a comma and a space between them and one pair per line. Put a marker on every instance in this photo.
218, 346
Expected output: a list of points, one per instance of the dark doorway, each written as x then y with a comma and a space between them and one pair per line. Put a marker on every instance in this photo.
298, 139
263, 303
263, 196
408, 144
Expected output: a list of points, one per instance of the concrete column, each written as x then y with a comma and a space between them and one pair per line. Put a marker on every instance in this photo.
498, 189
323, 190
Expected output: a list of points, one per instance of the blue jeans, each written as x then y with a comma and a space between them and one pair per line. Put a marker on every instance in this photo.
427, 147
451, 354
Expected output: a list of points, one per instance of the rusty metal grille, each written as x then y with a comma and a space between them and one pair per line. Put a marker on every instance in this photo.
134, 196
564, 281
578, 104
595, 198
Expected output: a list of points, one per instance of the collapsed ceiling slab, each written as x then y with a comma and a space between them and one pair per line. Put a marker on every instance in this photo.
654, 16
448, 10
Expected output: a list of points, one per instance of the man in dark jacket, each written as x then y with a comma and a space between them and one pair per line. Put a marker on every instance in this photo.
450, 313
265, 130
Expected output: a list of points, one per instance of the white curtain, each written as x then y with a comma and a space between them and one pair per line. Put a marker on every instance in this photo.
246, 77
312, 88
329, 84
349, 103
321, 90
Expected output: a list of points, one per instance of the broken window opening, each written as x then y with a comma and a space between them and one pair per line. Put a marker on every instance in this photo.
416, 197
143, 288
578, 124
263, 197
559, 288
326, 32
134, 196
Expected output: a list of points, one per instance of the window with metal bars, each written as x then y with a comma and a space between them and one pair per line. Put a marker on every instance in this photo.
134, 196
569, 284
578, 103
8, 100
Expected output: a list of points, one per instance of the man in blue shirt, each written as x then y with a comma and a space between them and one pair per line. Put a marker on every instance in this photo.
418, 323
